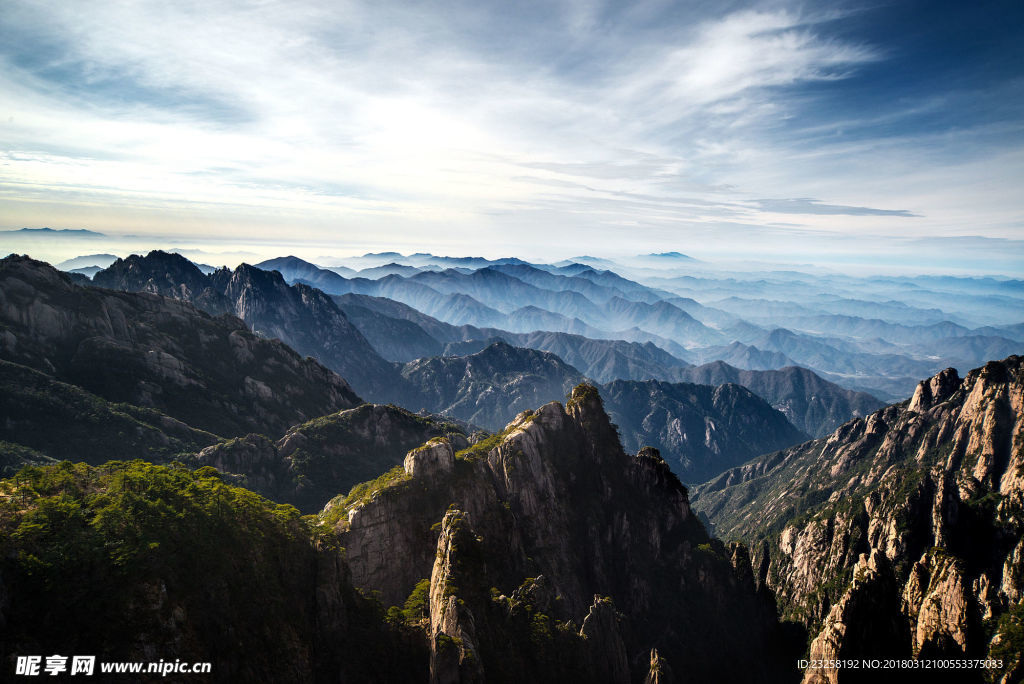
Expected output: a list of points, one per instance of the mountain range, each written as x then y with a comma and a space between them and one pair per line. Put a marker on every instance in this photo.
210, 372
174, 358
529, 521
302, 316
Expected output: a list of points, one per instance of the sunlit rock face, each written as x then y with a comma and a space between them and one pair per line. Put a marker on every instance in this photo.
900, 533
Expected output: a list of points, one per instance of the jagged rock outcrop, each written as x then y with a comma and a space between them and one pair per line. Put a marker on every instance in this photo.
145, 349
930, 491
861, 623
606, 652
555, 496
454, 654
163, 273
434, 459
659, 671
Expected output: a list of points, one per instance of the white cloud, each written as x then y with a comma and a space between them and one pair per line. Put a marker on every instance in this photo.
323, 119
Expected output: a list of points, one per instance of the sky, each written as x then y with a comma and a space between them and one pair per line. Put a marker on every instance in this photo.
885, 135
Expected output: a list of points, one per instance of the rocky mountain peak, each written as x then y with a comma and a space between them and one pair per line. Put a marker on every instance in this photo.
900, 533
586, 407
159, 272
301, 316
935, 390
161, 353
552, 495
432, 460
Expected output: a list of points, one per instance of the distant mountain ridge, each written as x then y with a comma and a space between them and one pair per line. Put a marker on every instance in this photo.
489, 387
101, 260
859, 349
209, 372
811, 403
486, 296
302, 316
699, 429
310, 323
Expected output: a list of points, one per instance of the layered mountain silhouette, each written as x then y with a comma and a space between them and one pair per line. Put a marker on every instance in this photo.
301, 316
811, 403
557, 545
210, 372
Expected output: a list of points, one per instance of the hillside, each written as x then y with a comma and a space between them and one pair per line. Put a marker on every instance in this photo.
699, 429
209, 372
302, 317
900, 533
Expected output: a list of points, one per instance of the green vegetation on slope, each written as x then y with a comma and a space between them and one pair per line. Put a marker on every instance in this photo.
63, 421
131, 558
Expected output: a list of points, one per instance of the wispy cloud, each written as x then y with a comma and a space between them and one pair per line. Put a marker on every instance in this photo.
555, 121
804, 205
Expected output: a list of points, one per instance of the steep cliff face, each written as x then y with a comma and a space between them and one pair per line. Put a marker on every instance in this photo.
922, 501
520, 533
315, 460
148, 350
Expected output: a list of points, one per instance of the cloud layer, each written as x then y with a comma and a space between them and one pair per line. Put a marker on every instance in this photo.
489, 129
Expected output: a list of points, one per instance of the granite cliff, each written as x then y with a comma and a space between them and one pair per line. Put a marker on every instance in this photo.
900, 534
552, 555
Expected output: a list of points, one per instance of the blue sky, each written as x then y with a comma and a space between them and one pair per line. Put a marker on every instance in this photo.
852, 133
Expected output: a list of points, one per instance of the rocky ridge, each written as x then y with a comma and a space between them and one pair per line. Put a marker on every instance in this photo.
524, 535
301, 316
909, 520
210, 372
489, 387
701, 430
315, 460
812, 404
